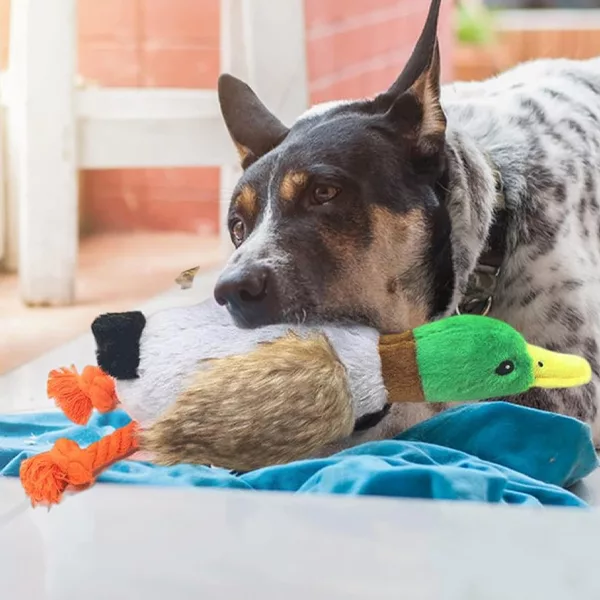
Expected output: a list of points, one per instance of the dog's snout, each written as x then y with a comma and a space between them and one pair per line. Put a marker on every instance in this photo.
242, 286
248, 294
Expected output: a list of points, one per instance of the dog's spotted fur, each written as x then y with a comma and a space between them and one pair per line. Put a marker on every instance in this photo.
540, 124
397, 257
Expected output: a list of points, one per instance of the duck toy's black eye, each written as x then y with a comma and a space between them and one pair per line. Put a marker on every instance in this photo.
505, 368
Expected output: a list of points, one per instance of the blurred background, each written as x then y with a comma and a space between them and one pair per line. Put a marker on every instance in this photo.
138, 227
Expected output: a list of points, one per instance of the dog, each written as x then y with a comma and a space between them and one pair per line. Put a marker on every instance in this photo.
425, 201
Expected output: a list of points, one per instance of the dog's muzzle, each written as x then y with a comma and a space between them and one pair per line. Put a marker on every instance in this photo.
250, 295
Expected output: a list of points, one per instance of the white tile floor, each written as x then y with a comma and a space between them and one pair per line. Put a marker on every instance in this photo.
113, 542
136, 543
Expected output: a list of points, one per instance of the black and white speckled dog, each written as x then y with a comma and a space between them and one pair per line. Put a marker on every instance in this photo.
423, 201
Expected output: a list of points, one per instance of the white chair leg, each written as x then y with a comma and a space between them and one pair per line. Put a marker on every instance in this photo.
41, 147
3, 203
234, 61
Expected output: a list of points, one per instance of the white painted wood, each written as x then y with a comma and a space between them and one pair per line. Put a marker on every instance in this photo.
121, 143
229, 176
145, 103
234, 56
127, 128
275, 42
3, 208
11, 222
123, 128
234, 60
41, 144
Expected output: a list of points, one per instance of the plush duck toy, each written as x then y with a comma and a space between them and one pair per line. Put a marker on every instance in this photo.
202, 391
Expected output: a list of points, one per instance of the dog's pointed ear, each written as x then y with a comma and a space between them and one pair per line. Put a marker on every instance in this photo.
253, 128
413, 100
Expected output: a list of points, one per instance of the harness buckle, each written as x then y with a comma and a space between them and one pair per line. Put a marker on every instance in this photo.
479, 297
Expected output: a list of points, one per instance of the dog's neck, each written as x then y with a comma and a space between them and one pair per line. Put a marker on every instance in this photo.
474, 202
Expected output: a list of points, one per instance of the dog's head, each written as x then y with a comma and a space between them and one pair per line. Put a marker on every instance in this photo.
341, 217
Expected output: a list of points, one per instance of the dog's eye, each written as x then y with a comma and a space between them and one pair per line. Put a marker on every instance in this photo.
325, 193
238, 231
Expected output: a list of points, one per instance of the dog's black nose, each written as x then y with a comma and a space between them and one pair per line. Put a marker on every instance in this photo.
249, 285
249, 295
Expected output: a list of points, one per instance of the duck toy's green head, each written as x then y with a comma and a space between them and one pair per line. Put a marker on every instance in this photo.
467, 358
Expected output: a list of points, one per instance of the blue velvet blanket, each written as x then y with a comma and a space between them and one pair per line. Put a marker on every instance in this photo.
491, 452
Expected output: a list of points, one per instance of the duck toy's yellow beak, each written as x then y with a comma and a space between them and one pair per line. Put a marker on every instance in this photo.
555, 370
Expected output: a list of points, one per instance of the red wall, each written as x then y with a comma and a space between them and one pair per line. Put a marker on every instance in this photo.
358, 47
150, 43
354, 48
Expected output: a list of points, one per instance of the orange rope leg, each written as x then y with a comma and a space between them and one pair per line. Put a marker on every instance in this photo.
77, 395
45, 477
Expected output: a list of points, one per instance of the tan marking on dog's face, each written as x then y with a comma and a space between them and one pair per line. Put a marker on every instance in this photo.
246, 202
389, 279
292, 184
280, 402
